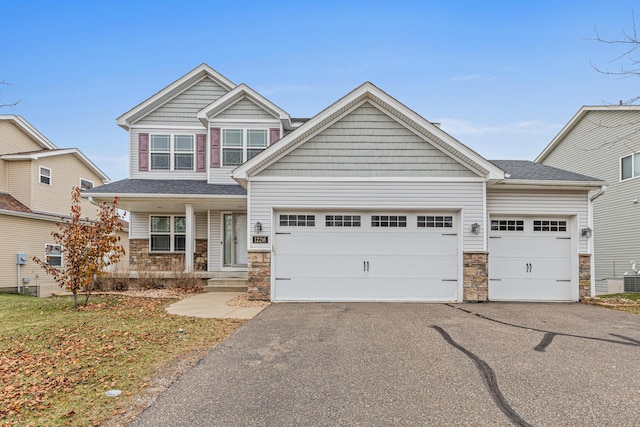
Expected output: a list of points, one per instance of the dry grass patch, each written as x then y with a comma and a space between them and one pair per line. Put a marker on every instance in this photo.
56, 363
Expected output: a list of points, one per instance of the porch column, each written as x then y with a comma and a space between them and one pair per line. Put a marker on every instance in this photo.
190, 243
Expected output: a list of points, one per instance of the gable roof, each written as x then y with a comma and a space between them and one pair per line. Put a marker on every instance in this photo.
202, 71
526, 170
575, 120
31, 131
9, 203
368, 92
35, 155
240, 92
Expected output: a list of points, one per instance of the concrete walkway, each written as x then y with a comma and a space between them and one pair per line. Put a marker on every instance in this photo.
213, 305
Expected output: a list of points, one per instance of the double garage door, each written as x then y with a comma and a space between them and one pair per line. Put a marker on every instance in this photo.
366, 256
530, 260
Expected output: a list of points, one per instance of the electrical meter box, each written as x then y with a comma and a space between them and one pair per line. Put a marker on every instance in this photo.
21, 259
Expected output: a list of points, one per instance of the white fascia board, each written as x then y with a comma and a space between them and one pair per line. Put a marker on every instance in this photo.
33, 215
146, 196
575, 120
547, 184
151, 128
365, 90
362, 179
29, 130
61, 152
122, 121
236, 95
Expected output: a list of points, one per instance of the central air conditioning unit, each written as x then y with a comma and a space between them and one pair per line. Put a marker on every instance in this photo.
632, 283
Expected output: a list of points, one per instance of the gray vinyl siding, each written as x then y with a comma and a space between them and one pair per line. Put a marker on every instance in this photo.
215, 240
539, 203
134, 165
245, 109
182, 109
380, 196
367, 142
221, 175
594, 147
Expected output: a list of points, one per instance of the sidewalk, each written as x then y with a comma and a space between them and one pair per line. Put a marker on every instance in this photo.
213, 305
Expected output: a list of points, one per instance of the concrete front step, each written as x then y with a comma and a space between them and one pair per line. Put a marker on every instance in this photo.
226, 284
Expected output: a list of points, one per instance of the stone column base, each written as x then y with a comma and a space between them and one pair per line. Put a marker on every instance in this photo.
259, 283
584, 287
476, 276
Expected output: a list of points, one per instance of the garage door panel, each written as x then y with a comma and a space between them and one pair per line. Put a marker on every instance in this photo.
514, 267
529, 289
532, 246
320, 243
352, 289
309, 265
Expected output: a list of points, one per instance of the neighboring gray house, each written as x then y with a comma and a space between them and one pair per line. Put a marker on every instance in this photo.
604, 141
366, 201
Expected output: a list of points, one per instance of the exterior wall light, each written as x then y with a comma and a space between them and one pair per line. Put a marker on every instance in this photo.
475, 228
586, 232
258, 227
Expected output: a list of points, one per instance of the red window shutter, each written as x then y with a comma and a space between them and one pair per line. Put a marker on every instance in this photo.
143, 152
274, 135
215, 147
201, 152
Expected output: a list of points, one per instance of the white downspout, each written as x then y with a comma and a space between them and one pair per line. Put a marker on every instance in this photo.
590, 247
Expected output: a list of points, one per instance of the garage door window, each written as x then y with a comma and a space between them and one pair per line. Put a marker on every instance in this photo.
297, 220
435, 221
342, 220
388, 221
507, 225
549, 225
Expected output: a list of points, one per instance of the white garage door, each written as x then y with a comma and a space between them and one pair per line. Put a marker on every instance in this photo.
530, 260
365, 256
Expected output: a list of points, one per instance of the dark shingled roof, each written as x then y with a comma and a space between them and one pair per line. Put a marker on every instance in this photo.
9, 203
166, 186
526, 169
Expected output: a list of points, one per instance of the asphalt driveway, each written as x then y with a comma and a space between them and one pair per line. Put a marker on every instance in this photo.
366, 364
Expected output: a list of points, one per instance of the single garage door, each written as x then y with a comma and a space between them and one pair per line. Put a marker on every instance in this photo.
530, 260
365, 256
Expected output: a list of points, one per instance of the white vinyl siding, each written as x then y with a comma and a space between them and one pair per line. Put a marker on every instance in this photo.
395, 196
215, 240
594, 147
163, 174
14, 140
367, 142
182, 109
139, 224
245, 110
537, 203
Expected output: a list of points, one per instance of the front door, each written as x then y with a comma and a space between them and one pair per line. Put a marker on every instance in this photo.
235, 240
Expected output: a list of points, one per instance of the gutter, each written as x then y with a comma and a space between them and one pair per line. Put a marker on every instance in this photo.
599, 193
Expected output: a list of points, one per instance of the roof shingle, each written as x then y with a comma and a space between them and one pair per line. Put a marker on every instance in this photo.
526, 169
166, 186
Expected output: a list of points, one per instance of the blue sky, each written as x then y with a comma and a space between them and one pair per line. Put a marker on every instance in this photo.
501, 76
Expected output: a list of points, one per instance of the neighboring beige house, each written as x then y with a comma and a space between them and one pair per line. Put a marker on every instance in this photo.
604, 141
36, 180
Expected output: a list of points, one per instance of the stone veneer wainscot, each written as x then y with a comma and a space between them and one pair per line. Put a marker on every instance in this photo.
140, 259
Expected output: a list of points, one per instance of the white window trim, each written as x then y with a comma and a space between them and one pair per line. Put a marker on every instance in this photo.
171, 233
633, 168
57, 256
87, 180
245, 142
50, 177
172, 151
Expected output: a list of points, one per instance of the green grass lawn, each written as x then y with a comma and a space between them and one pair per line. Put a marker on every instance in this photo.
56, 362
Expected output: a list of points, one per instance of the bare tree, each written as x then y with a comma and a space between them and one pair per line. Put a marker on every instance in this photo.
4, 104
629, 58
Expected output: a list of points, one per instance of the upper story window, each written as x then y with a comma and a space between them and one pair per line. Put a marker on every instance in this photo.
240, 145
630, 166
45, 175
85, 184
172, 152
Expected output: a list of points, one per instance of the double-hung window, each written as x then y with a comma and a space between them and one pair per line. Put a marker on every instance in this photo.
630, 166
172, 152
167, 233
53, 255
240, 145
45, 175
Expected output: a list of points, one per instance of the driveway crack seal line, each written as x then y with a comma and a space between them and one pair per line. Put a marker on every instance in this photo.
489, 378
546, 340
